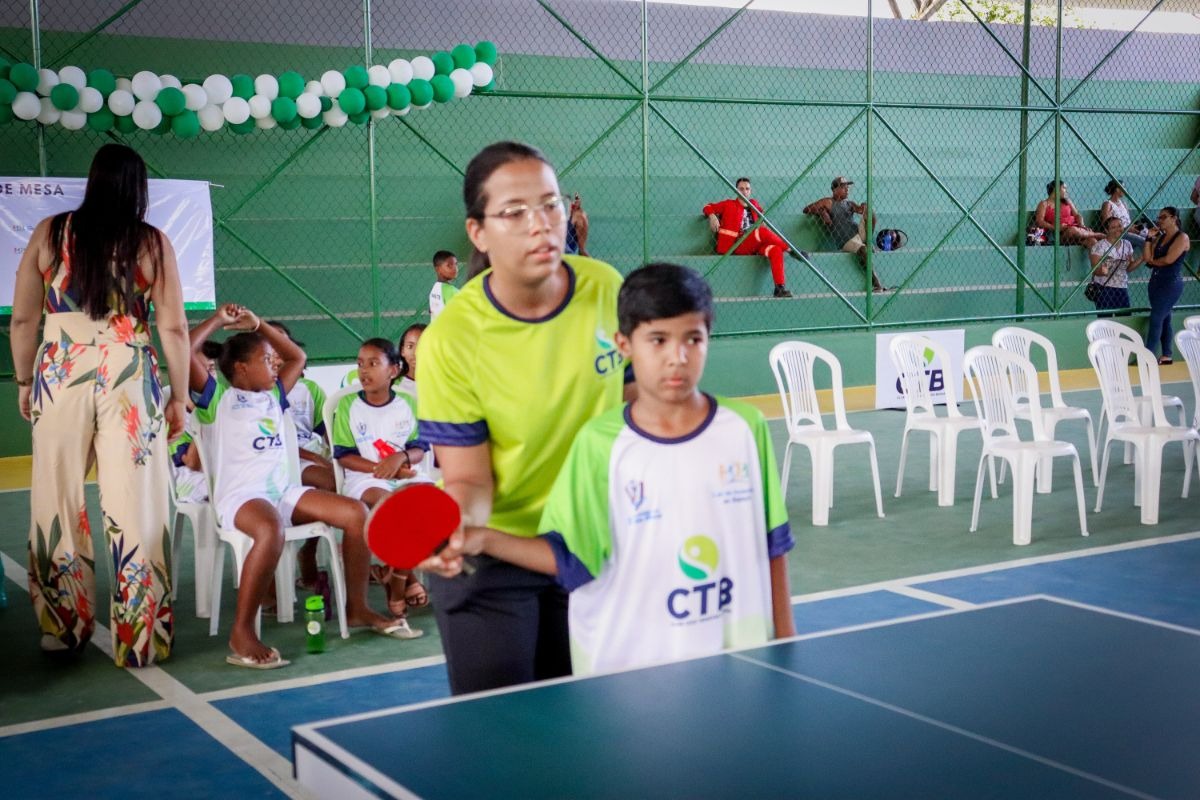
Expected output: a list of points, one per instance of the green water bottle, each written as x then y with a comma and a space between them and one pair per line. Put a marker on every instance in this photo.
314, 623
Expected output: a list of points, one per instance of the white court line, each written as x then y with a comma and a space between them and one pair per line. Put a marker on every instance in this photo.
317, 680
33, 726
946, 726
931, 597
1171, 626
272, 766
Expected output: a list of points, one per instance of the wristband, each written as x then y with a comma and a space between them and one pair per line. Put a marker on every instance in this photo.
27, 382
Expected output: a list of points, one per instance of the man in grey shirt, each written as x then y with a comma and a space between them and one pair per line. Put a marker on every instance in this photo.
837, 214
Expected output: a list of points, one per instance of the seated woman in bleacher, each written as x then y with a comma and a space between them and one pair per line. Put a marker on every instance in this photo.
1112, 258
1072, 229
1114, 206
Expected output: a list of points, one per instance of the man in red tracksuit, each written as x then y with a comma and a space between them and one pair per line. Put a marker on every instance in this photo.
730, 218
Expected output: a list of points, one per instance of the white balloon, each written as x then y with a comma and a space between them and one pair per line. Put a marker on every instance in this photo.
171, 81
481, 74
47, 114
401, 71
73, 120
218, 88
74, 76
421, 108
335, 117
147, 115
211, 118
195, 97
265, 123
267, 86
236, 110
90, 100
146, 85
125, 85
422, 67
314, 87
378, 76
403, 112
47, 80
381, 113
26, 106
308, 105
462, 82
260, 107
121, 102
333, 82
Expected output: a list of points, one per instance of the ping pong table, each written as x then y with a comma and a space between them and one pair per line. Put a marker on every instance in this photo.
1029, 698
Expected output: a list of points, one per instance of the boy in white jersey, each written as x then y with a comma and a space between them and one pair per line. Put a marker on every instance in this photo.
445, 266
667, 522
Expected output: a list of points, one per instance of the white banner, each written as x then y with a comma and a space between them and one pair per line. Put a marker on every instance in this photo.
180, 209
888, 392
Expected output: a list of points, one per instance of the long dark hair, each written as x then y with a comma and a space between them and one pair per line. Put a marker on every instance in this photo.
108, 233
485, 162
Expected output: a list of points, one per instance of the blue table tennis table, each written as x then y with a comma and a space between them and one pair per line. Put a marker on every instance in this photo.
1028, 698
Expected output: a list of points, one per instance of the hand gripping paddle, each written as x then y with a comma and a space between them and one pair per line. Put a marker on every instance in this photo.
411, 524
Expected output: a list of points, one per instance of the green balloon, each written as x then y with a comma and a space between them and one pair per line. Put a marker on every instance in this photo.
64, 96
422, 91
125, 124
443, 88
486, 52
171, 100
356, 78
102, 81
24, 77
291, 84
243, 127
352, 101
163, 126
243, 86
283, 109
291, 124
376, 97
6, 114
186, 125
8, 92
491, 87
443, 63
464, 56
5, 66
103, 120
360, 118
398, 96
312, 123
326, 103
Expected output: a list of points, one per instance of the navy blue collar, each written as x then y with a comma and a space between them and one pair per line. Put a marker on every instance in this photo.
687, 437
362, 395
487, 290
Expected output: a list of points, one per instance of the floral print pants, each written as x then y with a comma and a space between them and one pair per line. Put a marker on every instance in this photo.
96, 389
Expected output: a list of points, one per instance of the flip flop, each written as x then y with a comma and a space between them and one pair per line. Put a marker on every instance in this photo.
399, 630
415, 594
274, 662
379, 574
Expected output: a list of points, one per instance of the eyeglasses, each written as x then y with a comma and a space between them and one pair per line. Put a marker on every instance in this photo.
515, 216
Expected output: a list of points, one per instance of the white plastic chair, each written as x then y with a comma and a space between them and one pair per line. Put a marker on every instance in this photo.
792, 363
1020, 342
240, 544
1192, 323
327, 414
993, 375
1188, 342
908, 355
204, 537
1110, 359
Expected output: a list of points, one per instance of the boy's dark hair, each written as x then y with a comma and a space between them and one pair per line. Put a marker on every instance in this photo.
662, 291
390, 351
442, 256
741, 180
237, 350
1109, 187
212, 350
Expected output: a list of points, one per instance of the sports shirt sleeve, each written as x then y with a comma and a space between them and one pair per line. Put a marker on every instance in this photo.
414, 438
450, 410
207, 399
779, 530
575, 521
449, 290
343, 439
318, 396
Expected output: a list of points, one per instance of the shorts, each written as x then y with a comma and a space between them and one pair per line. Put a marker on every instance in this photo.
227, 507
855, 242
359, 483
190, 486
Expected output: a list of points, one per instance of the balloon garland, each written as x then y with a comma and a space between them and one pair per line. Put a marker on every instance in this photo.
100, 101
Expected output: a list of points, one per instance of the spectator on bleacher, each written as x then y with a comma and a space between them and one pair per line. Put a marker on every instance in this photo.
837, 213
1071, 230
577, 229
1196, 202
1166, 248
1112, 260
731, 218
1114, 206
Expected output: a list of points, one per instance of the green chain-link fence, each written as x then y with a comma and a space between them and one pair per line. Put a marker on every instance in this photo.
949, 129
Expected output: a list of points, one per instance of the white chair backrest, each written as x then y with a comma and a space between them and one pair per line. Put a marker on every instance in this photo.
327, 415
993, 375
1110, 359
793, 364
1192, 323
1188, 342
291, 448
913, 355
1020, 341
1107, 329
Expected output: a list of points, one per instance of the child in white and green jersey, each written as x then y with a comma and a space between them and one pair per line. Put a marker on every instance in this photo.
445, 266
667, 522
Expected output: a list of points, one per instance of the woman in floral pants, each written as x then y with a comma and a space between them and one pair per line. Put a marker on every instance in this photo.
92, 386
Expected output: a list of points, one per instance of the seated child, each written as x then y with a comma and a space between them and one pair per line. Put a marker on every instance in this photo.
375, 441
191, 486
241, 411
667, 522
445, 266
408, 351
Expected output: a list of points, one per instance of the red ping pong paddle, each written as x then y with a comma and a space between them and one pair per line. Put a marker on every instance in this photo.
411, 524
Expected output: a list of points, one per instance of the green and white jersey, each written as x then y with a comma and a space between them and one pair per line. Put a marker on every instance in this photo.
665, 544
524, 386
358, 426
439, 297
306, 402
243, 437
